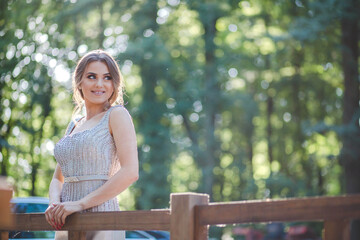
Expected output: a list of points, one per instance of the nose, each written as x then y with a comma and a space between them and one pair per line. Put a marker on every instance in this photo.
100, 82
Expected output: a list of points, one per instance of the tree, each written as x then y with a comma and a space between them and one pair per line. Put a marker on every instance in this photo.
146, 50
350, 153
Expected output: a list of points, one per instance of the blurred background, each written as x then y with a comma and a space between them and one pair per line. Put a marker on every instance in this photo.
238, 99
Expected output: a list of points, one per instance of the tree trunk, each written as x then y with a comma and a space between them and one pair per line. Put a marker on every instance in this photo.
350, 154
5, 150
101, 25
269, 112
270, 100
211, 98
153, 186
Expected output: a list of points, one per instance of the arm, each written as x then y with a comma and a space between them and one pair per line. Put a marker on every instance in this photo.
54, 193
123, 131
56, 185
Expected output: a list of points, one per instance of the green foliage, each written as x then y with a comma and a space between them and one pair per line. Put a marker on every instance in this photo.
239, 99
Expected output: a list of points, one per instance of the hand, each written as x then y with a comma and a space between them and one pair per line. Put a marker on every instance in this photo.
62, 210
49, 215
59, 212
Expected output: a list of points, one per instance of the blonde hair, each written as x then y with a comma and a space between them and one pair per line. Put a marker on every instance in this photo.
118, 81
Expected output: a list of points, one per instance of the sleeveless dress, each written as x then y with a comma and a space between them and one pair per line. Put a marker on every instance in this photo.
87, 159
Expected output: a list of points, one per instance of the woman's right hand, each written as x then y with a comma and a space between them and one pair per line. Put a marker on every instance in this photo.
49, 215
61, 210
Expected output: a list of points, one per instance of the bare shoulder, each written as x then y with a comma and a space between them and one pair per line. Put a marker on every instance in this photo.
120, 118
119, 114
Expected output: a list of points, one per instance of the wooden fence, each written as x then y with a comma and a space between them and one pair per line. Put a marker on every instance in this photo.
190, 214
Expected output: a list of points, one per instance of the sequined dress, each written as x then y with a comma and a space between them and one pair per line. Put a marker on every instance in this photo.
89, 154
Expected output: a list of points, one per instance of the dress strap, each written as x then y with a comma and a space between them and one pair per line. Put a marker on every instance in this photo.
72, 125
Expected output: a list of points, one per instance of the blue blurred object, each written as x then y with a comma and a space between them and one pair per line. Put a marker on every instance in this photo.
30, 205
160, 235
275, 231
147, 235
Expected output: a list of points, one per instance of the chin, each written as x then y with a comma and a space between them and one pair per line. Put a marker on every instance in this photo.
97, 102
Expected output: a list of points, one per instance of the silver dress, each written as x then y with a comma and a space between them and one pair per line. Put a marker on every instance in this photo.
87, 159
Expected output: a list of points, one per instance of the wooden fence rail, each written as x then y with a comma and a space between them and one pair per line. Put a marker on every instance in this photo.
190, 214
129, 220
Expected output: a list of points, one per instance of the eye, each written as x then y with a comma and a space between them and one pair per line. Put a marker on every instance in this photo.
108, 78
91, 76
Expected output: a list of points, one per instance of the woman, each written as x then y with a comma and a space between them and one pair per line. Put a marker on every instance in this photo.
97, 158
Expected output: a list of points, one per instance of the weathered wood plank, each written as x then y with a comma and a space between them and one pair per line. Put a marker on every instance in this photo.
183, 223
5, 213
4, 235
338, 229
77, 235
299, 209
123, 220
201, 231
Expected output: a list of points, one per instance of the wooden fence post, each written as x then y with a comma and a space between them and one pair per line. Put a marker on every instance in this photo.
4, 235
183, 224
77, 235
6, 219
337, 229
5, 213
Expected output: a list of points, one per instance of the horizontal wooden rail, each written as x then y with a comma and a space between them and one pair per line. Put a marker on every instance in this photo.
190, 214
124, 220
285, 210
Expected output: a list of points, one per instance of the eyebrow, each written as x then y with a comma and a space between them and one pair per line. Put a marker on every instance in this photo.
96, 73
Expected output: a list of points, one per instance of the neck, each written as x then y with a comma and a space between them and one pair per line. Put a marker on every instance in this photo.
93, 110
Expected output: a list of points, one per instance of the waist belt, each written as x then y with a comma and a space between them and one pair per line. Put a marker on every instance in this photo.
86, 178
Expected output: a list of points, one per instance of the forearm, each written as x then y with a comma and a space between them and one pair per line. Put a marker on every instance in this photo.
114, 186
55, 190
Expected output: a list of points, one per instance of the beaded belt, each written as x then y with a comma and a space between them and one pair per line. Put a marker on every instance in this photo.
86, 178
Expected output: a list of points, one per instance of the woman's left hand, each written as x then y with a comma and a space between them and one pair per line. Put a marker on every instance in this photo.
62, 210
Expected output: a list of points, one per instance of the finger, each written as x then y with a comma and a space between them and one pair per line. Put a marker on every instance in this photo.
50, 220
49, 217
57, 211
64, 218
53, 208
54, 223
60, 217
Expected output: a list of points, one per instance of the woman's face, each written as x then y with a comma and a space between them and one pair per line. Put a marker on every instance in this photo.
96, 83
